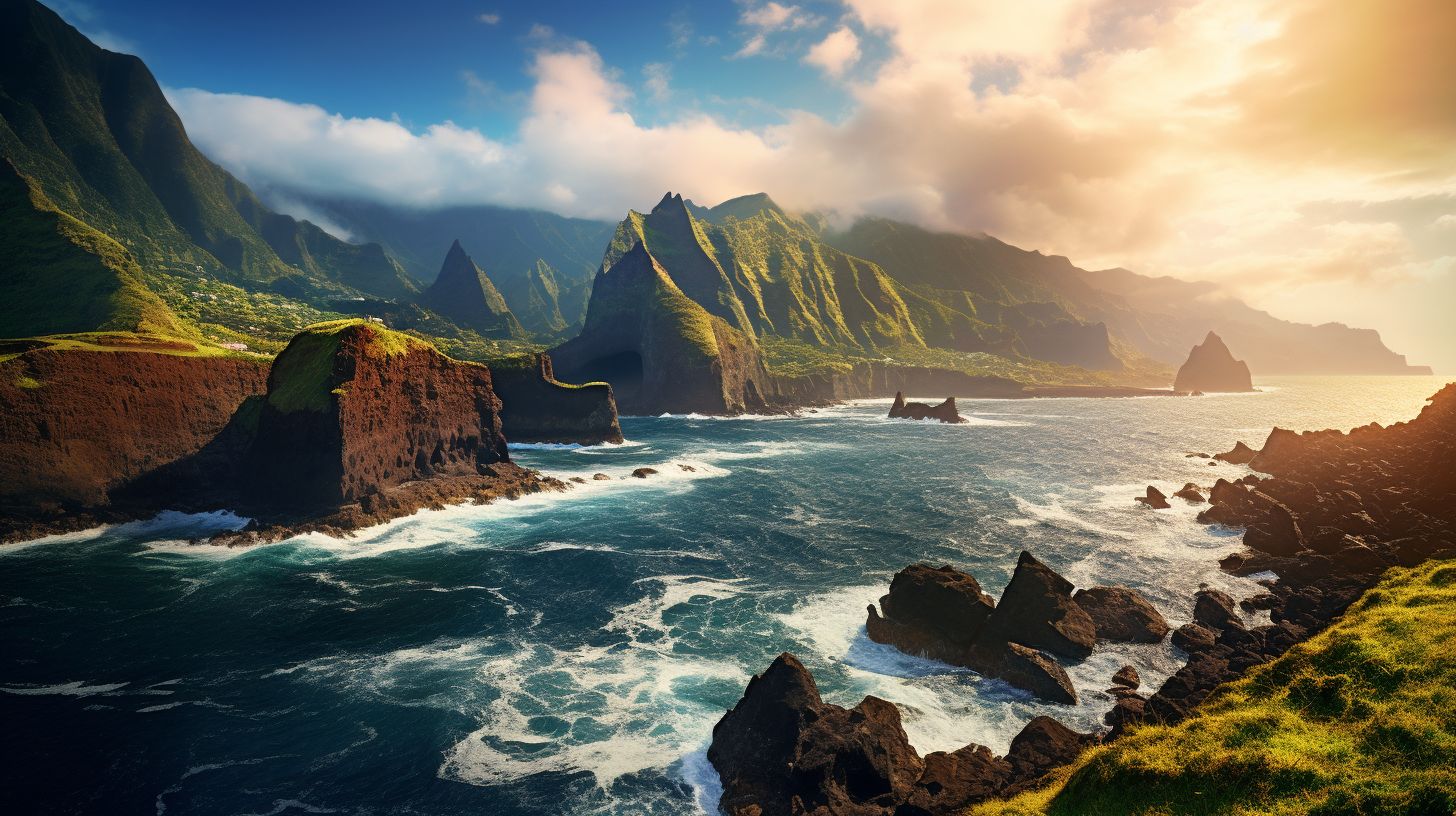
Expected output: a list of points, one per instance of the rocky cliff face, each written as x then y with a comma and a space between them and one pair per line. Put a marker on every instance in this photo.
1212, 367
659, 349
536, 407
75, 425
353, 409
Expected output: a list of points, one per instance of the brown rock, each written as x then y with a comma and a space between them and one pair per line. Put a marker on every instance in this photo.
1122, 615
1191, 494
945, 411
1126, 677
1241, 454
1037, 610
1193, 637
643, 472
1154, 499
1215, 610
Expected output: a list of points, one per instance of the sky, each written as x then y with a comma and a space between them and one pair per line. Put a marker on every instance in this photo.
1299, 153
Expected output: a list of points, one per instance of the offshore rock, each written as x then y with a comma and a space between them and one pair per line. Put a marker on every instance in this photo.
945, 411
1211, 367
1241, 454
1191, 494
1154, 499
1037, 610
536, 407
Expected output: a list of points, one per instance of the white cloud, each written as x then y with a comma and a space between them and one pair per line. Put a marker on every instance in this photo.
768, 18
836, 53
490, 18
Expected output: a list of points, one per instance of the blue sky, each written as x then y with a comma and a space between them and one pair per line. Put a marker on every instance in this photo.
1295, 152
464, 61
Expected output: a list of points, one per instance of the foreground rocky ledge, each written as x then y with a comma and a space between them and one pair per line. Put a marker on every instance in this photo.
1338, 511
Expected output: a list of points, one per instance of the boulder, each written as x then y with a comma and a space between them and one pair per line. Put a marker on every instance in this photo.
1025, 668
1037, 610
1191, 494
1126, 677
601, 477
1215, 610
643, 472
1155, 499
953, 781
1044, 744
944, 601
1194, 637
1122, 615
945, 411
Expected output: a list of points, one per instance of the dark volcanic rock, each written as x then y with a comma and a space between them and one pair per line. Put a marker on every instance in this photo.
1037, 610
783, 750
536, 407
1126, 677
1211, 367
943, 614
1121, 614
1191, 494
643, 472
1192, 637
1240, 455
1215, 610
1042, 745
1154, 499
945, 411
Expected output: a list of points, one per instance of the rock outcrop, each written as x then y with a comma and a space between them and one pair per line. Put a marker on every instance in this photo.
1339, 509
783, 751
464, 294
1211, 367
536, 407
77, 425
944, 411
1154, 498
353, 409
942, 613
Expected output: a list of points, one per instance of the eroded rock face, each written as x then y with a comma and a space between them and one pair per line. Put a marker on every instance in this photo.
1037, 610
945, 411
1121, 614
77, 425
354, 409
946, 603
1241, 454
1211, 367
783, 751
536, 407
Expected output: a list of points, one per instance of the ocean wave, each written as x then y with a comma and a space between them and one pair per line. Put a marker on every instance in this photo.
576, 446
77, 688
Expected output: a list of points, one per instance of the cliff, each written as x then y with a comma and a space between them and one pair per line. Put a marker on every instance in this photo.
536, 407
82, 417
353, 409
1212, 367
658, 348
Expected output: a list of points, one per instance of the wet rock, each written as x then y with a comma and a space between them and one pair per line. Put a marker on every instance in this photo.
1191, 494
1241, 454
1122, 615
687, 468
1037, 610
1215, 610
601, 477
1193, 637
946, 604
1025, 668
1127, 677
1154, 499
1042, 745
578, 480
945, 411
955, 780
643, 472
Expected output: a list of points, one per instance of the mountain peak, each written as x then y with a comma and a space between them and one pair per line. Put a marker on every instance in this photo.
465, 294
745, 206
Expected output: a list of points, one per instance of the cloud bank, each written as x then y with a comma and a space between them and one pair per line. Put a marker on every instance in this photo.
1235, 140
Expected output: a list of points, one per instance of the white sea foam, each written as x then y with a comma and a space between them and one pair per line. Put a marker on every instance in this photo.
1056, 514
576, 446
73, 689
608, 709
76, 537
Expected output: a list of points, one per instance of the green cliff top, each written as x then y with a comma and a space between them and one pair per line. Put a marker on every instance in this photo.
303, 374
1360, 719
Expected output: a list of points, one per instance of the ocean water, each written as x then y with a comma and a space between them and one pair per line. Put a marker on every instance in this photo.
570, 653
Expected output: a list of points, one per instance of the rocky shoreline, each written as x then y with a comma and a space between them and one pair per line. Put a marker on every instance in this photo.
1333, 513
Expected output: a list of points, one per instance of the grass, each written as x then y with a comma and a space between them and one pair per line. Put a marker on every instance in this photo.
1359, 720
303, 375
114, 342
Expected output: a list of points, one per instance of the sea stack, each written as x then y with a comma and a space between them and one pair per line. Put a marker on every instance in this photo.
945, 411
1212, 367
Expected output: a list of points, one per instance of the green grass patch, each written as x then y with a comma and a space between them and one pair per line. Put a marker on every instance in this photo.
1359, 720
303, 377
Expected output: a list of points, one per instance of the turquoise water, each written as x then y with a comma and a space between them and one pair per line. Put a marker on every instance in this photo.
571, 653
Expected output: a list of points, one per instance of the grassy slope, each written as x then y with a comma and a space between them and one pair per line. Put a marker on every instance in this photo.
89, 281
303, 375
1361, 719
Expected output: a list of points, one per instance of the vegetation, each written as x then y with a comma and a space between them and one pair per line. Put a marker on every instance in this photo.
303, 375
1361, 719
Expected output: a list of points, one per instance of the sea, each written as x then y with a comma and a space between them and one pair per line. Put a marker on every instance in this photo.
570, 653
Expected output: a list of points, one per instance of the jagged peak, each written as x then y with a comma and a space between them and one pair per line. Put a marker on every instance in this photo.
670, 201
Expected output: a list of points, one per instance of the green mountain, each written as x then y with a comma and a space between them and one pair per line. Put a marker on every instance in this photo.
515, 245
93, 133
768, 273
464, 294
